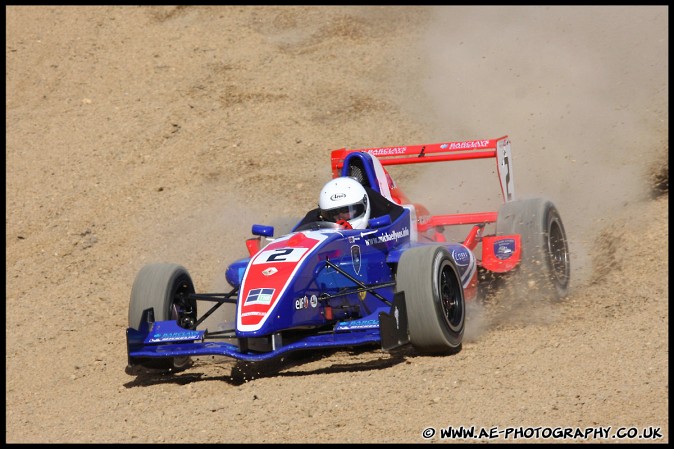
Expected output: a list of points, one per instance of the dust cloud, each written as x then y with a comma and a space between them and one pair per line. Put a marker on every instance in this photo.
581, 91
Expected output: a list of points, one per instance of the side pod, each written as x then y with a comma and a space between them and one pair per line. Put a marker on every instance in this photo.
501, 253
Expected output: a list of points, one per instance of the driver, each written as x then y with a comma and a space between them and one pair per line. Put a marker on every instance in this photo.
344, 201
347, 202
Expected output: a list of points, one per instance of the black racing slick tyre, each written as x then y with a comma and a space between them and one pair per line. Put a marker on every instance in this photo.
436, 309
544, 269
163, 287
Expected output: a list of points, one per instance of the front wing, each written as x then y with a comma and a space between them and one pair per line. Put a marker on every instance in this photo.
163, 339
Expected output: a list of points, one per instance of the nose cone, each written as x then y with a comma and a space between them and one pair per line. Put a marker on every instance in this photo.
270, 273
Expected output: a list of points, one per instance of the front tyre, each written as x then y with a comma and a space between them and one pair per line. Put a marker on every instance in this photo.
163, 287
544, 269
434, 297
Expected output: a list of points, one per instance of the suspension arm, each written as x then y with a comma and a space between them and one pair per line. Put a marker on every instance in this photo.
219, 298
363, 287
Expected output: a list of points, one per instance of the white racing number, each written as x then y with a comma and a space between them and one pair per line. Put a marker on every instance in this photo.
505, 169
280, 255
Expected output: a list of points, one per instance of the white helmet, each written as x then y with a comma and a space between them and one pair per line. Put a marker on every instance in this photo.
345, 199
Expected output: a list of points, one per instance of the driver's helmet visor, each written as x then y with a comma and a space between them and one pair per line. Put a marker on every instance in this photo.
344, 213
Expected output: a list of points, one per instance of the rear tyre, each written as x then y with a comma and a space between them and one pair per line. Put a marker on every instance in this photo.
436, 309
163, 287
544, 270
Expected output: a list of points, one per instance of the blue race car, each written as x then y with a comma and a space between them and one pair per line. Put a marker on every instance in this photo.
396, 283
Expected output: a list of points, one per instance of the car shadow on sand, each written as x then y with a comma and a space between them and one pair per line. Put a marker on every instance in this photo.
299, 364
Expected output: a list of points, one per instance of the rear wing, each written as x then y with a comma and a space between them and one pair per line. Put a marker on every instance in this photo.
437, 152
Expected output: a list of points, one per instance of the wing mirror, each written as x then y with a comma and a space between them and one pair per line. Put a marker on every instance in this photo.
262, 230
254, 244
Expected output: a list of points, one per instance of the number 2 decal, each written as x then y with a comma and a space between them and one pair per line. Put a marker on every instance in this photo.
505, 169
280, 255
506, 163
